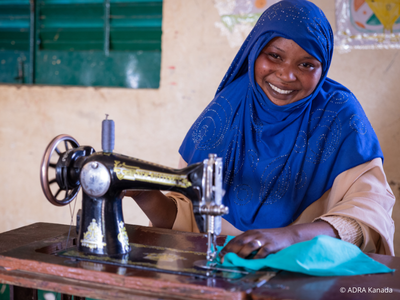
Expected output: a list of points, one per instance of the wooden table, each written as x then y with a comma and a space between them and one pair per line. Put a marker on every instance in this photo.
27, 260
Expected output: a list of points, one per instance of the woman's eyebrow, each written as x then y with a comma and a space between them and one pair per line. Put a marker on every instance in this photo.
305, 57
273, 46
309, 57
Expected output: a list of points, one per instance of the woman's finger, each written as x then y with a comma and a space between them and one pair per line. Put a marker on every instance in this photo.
233, 245
243, 246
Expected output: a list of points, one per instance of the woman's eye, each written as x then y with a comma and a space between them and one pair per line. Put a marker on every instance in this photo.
274, 55
307, 65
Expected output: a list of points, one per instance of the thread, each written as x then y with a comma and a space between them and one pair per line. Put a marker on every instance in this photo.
107, 135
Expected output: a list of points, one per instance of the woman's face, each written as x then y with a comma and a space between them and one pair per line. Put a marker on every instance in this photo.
285, 72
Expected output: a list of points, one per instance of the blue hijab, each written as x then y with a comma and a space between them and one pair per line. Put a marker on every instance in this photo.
280, 159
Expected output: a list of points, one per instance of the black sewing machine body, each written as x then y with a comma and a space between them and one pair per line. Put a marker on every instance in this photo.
106, 176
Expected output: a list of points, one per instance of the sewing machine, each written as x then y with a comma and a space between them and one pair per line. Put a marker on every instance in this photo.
105, 176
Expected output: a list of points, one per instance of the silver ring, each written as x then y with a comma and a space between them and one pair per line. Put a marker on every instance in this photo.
259, 243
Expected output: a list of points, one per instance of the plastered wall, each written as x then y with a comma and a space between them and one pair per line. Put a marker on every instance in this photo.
150, 124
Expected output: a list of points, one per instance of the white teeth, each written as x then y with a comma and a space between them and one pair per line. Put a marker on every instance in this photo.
278, 90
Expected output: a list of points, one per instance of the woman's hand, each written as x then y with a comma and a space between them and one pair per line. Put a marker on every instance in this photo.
264, 241
267, 241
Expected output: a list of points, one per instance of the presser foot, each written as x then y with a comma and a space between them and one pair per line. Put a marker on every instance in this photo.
212, 266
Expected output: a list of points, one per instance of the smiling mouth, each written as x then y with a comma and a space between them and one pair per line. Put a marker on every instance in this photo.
278, 90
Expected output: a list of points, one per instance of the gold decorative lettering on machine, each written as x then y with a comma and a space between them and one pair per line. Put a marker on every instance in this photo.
93, 237
125, 172
164, 257
123, 236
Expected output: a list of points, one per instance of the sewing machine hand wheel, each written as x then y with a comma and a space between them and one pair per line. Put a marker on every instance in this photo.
70, 192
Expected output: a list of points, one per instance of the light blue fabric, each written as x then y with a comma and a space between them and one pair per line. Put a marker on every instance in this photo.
280, 159
321, 256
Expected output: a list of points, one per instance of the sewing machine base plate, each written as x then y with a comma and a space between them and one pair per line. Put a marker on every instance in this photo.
161, 259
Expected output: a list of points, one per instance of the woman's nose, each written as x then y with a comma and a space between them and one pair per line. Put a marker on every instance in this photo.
286, 73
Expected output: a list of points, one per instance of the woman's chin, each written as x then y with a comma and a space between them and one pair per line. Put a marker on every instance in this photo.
282, 100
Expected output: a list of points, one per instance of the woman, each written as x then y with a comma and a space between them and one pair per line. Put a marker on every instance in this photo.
300, 157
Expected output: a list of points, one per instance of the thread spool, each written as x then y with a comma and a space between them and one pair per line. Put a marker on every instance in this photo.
107, 135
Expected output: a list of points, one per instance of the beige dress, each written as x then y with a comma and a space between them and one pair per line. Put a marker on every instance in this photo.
359, 206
